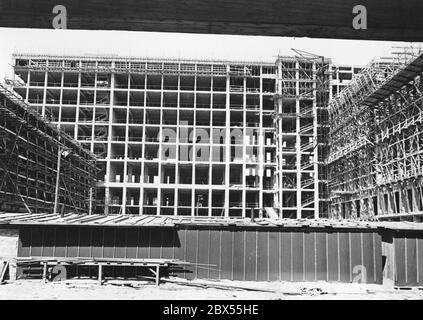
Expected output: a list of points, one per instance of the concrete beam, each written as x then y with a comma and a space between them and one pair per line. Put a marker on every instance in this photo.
387, 19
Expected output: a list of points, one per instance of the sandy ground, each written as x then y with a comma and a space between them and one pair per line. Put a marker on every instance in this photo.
141, 290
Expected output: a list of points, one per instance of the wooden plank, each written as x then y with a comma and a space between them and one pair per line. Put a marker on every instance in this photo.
250, 255
60, 243
262, 256
143, 243
411, 261
116, 220
109, 242
180, 248
48, 241
333, 257
368, 256
45, 271
36, 241
72, 242
104, 220
191, 253
31, 217
286, 256
12, 216
420, 260
5, 266
130, 221
70, 218
274, 252
76, 218
97, 242
321, 257
131, 242
387, 20
214, 245
226, 255
49, 218
400, 257
377, 240
88, 219
239, 254
356, 257
309, 256
344, 257
297, 256
24, 242
85, 242
100, 274
203, 253
168, 236
147, 220
155, 242
120, 244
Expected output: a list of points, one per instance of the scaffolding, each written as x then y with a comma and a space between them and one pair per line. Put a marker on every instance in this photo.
301, 98
376, 137
130, 65
30, 170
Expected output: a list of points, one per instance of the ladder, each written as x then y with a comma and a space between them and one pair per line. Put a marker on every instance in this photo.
305, 129
306, 202
306, 183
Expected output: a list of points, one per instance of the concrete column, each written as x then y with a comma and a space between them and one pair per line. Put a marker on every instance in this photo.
227, 142
298, 140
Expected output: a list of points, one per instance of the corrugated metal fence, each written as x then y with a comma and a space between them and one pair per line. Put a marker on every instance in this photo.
263, 254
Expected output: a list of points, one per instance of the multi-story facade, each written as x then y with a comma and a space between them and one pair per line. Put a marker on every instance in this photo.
182, 137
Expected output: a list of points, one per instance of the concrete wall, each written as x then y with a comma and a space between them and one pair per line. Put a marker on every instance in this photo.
9, 240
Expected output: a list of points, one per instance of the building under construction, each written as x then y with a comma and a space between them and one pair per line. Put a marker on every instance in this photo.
376, 139
42, 169
192, 138
235, 139
176, 141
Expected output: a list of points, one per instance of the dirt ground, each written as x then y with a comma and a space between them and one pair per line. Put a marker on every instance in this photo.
86, 289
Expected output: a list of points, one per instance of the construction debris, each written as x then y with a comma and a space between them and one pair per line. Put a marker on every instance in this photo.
216, 285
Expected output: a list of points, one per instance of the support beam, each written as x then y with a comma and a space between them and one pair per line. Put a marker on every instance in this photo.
100, 274
45, 272
387, 20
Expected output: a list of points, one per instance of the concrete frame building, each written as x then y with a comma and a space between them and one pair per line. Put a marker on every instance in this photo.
192, 138
341, 76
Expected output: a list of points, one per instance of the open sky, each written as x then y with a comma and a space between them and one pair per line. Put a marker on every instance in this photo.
177, 45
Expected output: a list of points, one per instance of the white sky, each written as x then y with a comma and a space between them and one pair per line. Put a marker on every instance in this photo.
177, 45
